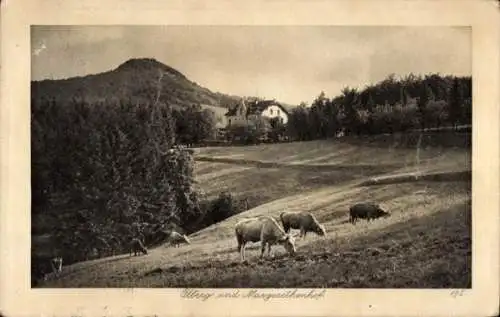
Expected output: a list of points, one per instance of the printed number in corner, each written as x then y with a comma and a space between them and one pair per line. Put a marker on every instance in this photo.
457, 293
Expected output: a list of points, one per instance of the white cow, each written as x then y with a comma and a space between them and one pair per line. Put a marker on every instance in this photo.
176, 239
266, 230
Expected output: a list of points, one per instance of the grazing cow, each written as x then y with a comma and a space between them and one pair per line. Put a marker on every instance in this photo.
46, 257
266, 230
136, 247
42, 267
176, 239
305, 221
366, 211
56, 264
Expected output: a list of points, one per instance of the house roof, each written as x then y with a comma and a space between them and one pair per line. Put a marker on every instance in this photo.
288, 108
258, 107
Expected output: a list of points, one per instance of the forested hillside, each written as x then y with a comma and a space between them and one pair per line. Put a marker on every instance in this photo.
138, 80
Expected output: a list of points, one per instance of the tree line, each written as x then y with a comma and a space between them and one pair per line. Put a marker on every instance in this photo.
392, 105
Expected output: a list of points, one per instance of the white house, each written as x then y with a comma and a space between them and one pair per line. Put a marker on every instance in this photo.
247, 111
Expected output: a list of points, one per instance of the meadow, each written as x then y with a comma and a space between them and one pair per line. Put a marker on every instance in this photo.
426, 243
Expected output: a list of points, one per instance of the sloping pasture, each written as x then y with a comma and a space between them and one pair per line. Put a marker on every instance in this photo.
425, 243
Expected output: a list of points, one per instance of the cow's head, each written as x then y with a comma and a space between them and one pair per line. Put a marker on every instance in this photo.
57, 263
320, 230
383, 213
288, 242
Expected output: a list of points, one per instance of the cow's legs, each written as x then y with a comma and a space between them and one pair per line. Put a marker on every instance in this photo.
262, 249
242, 252
269, 250
302, 233
286, 228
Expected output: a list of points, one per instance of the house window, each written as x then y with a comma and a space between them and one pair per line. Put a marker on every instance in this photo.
278, 112
271, 111
229, 121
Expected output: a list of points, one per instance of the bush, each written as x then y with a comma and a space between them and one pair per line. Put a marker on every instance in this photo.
252, 132
218, 209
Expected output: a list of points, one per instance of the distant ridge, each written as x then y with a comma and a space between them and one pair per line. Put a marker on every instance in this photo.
137, 80
138, 64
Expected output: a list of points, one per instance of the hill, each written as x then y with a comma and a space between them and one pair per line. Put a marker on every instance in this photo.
135, 79
425, 243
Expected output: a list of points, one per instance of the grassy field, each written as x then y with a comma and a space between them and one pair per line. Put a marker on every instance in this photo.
425, 243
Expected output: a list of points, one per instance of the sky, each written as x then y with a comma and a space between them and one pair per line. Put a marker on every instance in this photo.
289, 63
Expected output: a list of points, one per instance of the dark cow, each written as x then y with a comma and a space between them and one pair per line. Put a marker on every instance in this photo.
136, 247
366, 211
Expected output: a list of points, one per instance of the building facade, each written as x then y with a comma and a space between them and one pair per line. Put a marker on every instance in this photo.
245, 112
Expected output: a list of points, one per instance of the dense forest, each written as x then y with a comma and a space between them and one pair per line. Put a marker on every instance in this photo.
105, 172
389, 106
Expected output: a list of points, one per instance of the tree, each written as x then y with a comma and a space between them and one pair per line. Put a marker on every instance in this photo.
298, 127
370, 104
350, 121
206, 122
194, 124
425, 96
403, 99
454, 100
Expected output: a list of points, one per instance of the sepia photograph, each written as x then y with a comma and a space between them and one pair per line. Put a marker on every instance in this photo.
264, 158
251, 156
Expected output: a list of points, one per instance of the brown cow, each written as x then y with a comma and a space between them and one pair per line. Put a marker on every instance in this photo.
266, 230
304, 221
